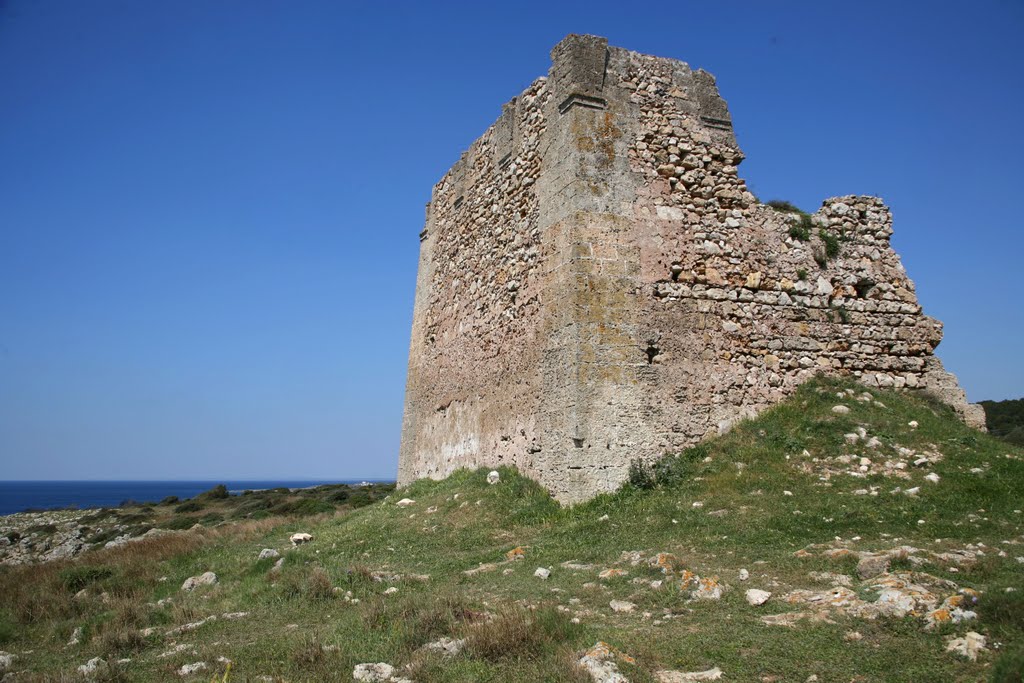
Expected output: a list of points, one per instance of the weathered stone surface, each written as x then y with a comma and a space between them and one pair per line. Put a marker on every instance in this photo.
596, 284
204, 579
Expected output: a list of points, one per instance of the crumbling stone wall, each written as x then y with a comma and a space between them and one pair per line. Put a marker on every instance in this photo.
597, 284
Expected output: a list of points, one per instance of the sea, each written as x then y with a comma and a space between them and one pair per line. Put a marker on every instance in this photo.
19, 496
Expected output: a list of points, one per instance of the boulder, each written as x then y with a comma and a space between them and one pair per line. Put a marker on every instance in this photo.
193, 582
756, 598
493, 477
373, 673
300, 538
268, 553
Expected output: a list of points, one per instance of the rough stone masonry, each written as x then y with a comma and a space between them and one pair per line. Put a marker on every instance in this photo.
596, 284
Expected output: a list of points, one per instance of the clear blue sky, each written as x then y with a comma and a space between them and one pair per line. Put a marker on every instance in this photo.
209, 210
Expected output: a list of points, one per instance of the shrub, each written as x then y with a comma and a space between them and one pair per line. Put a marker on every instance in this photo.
517, 633
302, 507
641, 475
189, 506
76, 577
7, 627
178, 523
218, 492
169, 500
801, 273
1009, 668
783, 205
831, 243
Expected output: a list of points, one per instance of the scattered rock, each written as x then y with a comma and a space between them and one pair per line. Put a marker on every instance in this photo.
449, 647
840, 410
76, 636
756, 597
6, 659
744, 575
688, 677
300, 538
391, 591
204, 579
969, 646
404, 503
873, 565
599, 662
268, 553
517, 553
932, 477
373, 673
190, 669
612, 573
622, 606
542, 573
92, 666
493, 477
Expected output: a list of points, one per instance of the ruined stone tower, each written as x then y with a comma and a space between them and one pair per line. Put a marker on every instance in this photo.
597, 284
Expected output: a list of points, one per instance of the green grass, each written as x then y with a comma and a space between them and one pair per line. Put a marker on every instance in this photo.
521, 628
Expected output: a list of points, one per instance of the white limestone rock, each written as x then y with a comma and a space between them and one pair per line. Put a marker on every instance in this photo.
493, 477
969, 646
268, 553
756, 597
300, 538
542, 573
204, 579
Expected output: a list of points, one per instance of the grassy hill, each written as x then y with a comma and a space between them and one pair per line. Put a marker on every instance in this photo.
874, 530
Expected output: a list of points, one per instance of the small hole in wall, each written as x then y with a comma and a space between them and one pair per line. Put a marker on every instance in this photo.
651, 351
863, 287
578, 443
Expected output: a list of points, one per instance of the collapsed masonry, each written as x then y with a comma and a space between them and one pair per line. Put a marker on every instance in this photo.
597, 284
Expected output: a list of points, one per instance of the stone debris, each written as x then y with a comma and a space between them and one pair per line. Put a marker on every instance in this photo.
542, 573
756, 597
840, 410
204, 579
178, 649
449, 647
493, 477
76, 636
377, 673
92, 667
612, 573
622, 606
405, 502
688, 677
969, 646
744, 575
268, 553
192, 669
872, 566
6, 659
599, 662
300, 538
185, 628
517, 553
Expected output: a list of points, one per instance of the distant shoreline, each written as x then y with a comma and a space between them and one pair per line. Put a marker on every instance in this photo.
35, 495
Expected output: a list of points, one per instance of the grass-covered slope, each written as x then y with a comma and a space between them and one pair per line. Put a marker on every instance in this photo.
785, 500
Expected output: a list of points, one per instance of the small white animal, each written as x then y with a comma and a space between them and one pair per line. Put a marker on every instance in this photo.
299, 539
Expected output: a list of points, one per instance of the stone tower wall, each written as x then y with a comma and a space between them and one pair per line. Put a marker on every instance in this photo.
597, 284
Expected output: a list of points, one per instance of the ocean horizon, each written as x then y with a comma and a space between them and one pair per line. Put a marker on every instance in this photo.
21, 496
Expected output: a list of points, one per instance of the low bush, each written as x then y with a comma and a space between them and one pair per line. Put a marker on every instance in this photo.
517, 633
783, 205
76, 577
189, 506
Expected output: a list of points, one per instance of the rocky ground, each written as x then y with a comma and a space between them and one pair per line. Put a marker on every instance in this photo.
843, 536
